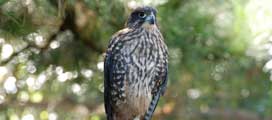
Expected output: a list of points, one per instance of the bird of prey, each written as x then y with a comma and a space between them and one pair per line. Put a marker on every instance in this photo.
135, 68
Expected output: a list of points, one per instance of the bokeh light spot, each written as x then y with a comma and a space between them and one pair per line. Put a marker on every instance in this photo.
3, 72
95, 117
10, 85
54, 44
76, 88
53, 116
14, 117
193, 93
44, 115
36, 97
7, 51
100, 66
28, 117
23, 96
2, 99
87, 73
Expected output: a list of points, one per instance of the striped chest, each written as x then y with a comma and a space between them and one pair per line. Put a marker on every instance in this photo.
137, 61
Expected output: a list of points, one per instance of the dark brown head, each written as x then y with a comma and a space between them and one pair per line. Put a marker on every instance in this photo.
142, 16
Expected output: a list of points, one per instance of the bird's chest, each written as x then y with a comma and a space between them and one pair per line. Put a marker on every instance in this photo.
141, 58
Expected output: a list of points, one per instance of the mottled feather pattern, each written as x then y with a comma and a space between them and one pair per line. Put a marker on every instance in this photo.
135, 73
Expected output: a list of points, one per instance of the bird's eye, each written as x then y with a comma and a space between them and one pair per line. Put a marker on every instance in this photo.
141, 14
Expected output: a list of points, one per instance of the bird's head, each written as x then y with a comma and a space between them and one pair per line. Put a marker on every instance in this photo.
142, 17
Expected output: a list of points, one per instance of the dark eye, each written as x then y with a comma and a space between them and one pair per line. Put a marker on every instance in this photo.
141, 14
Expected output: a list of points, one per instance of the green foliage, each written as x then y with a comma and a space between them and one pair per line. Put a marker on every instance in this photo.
55, 68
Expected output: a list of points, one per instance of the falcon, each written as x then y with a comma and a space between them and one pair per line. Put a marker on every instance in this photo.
135, 68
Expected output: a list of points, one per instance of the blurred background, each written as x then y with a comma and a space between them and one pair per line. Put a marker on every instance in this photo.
51, 58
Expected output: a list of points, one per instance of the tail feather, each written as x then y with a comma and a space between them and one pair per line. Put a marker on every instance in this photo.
152, 107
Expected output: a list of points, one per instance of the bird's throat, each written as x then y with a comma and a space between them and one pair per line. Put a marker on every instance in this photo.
149, 26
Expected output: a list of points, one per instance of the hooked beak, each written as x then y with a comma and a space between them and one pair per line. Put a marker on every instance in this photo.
151, 19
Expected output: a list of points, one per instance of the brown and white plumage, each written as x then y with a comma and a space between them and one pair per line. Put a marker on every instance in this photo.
136, 66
